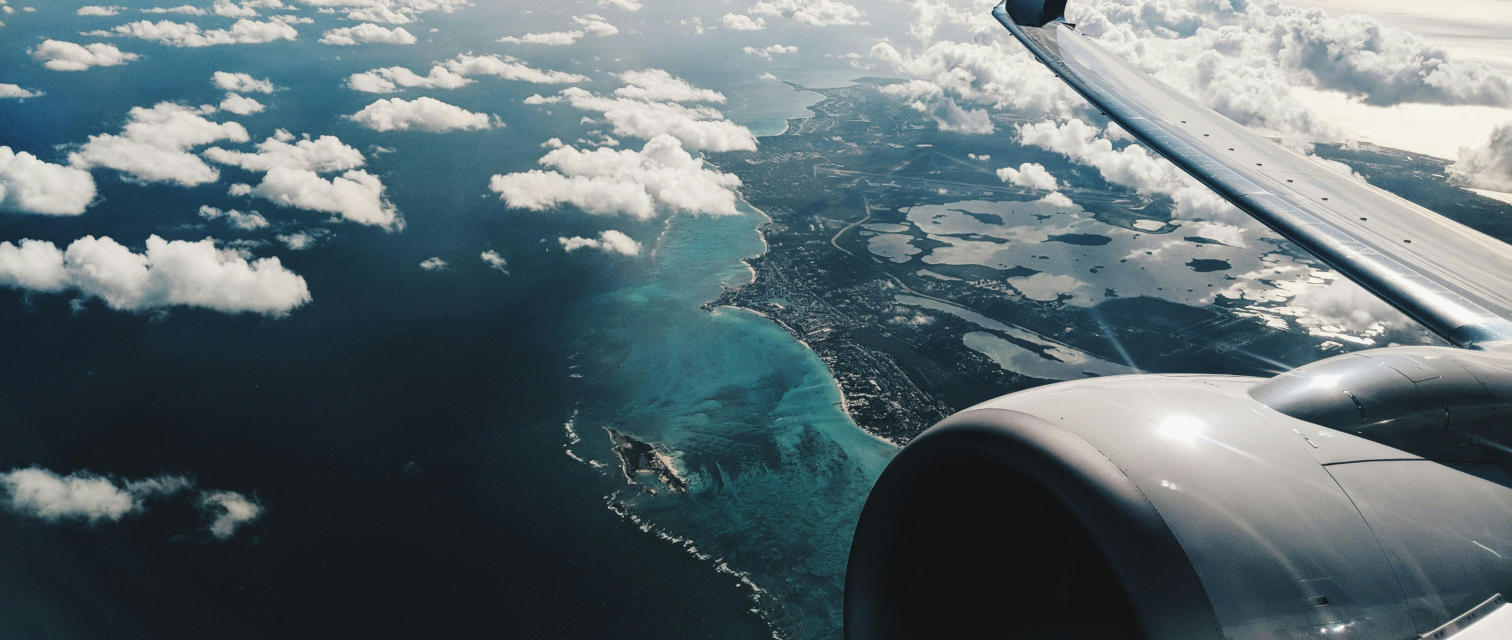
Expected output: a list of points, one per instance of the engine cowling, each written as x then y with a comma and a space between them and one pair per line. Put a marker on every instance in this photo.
1169, 507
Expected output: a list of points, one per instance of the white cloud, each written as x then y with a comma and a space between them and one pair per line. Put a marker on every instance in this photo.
1488, 166
740, 22
240, 105
637, 183
184, 34
367, 32
154, 145
1131, 166
168, 274
241, 83
186, 9
495, 261
356, 196
927, 97
420, 114
389, 11
551, 38
433, 264
30, 185
768, 51
228, 9
229, 511
301, 240
818, 13
81, 496
997, 74
595, 24
15, 91
245, 221
67, 56
98, 10
321, 155
657, 85
610, 241
696, 127
625, 5
1031, 175
454, 73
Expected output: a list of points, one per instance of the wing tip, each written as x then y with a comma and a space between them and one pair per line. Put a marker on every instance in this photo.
1031, 13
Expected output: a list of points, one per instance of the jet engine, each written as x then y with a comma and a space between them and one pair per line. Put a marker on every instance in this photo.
1363, 496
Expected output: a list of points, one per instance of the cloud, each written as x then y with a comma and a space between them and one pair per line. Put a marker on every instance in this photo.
552, 38
656, 85
495, 261
97, 10
997, 74
229, 511
184, 34
454, 73
636, 183
81, 496
610, 241
367, 32
241, 83
433, 264
321, 155
389, 11
30, 185
817, 13
244, 221
228, 9
154, 145
67, 56
356, 196
701, 128
301, 240
1131, 166
625, 5
740, 22
187, 9
15, 91
169, 274
767, 52
928, 98
420, 114
240, 105
1031, 175
1488, 166
595, 24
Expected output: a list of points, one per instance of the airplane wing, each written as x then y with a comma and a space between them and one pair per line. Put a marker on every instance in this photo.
1452, 279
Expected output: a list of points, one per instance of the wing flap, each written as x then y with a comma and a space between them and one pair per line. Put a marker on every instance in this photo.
1453, 279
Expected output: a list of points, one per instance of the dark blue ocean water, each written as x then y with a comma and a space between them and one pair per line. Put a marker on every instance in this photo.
405, 430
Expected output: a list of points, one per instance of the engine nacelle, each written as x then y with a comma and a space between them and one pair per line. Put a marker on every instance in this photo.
1169, 507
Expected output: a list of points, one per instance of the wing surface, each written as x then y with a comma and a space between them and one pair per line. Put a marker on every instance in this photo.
1453, 279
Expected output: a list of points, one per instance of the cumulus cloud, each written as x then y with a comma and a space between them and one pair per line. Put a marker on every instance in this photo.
367, 32
301, 240
455, 73
550, 38
98, 10
996, 74
356, 196
185, 9
1030, 175
168, 274
420, 114
68, 56
1489, 166
240, 105
15, 91
245, 221
928, 98
595, 24
696, 127
657, 85
321, 155
1131, 166
637, 183
768, 51
624, 5
610, 241
433, 264
30, 185
817, 13
228, 511
93, 499
241, 83
740, 22
185, 34
495, 261
154, 145
387, 11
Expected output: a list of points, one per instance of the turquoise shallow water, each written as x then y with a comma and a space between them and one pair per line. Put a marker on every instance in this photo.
777, 473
